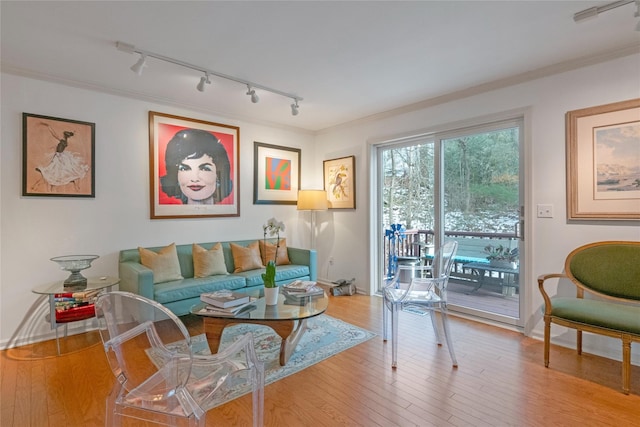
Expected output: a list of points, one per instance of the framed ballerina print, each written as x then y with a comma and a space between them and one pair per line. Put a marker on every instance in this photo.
58, 157
194, 168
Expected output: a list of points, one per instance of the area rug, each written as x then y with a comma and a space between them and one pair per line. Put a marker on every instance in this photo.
325, 337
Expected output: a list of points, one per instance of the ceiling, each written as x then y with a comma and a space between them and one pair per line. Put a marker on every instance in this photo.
348, 60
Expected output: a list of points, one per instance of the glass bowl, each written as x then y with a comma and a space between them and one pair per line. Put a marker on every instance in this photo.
75, 264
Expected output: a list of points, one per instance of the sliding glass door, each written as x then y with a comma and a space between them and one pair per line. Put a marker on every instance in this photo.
461, 185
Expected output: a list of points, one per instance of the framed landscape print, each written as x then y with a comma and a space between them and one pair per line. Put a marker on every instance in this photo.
603, 162
194, 168
58, 157
276, 174
340, 182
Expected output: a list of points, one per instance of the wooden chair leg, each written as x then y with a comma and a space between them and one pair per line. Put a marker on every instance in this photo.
547, 339
579, 341
626, 363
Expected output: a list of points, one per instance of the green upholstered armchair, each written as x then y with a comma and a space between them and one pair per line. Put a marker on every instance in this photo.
610, 271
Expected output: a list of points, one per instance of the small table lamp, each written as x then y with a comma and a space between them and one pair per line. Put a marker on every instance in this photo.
312, 200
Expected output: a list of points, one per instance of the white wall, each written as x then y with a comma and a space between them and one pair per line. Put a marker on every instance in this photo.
548, 240
34, 229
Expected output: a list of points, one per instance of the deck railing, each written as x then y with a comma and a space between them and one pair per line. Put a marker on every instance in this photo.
419, 244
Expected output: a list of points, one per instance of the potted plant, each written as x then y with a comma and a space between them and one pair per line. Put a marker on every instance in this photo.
501, 256
272, 227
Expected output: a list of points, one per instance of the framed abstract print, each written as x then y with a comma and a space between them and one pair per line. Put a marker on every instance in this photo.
276, 174
340, 182
58, 157
603, 162
194, 168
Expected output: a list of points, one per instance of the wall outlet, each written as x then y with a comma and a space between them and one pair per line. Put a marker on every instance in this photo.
545, 211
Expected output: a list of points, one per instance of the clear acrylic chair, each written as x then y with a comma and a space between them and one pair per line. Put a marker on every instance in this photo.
426, 293
158, 378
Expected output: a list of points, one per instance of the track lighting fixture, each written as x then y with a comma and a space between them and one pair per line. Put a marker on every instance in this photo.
254, 96
204, 79
251, 87
138, 66
593, 12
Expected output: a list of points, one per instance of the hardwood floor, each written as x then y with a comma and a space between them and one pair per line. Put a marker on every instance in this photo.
501, 381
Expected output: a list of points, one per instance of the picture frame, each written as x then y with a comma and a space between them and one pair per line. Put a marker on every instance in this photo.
340, 182
276, 174
603, 162
193, 168
58, 157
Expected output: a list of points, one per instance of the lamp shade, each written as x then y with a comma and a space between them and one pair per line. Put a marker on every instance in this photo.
312, 200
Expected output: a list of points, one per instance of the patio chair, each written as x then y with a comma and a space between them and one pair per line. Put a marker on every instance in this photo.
426, 293
159, 379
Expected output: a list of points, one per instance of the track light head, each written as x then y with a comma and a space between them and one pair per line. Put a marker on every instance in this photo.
254, 96
204, 79
138, 66
294, 108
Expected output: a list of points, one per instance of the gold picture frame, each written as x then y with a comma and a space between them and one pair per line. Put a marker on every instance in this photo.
340, 182
603, 162
179, 146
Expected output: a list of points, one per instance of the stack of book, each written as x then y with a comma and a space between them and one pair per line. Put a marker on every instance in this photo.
299, 289
224, 303
71, 306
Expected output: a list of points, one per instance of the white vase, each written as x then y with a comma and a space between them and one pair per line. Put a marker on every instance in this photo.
271, 295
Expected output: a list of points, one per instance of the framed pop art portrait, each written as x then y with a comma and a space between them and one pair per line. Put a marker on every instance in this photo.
276, 174
603, 162
58, 157
340, 182
194, 168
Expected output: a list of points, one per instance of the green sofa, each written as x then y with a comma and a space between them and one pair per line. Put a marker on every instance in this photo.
180, 295
611, 271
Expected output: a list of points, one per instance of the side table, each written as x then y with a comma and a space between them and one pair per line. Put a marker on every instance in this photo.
52, 289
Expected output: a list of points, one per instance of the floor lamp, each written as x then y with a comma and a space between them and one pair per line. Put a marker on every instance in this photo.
312, 200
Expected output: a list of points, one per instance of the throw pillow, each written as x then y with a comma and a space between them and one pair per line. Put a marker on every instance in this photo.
164, 263
268, 252
246, 258
208, 262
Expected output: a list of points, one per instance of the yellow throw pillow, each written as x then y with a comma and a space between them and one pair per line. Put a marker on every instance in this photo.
208, 262
246, 258
268, 252
164, 263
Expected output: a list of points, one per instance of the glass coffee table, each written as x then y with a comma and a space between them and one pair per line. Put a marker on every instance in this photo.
288, 319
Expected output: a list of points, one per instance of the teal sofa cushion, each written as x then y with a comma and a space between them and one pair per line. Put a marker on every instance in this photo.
192, 288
